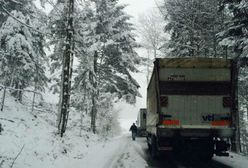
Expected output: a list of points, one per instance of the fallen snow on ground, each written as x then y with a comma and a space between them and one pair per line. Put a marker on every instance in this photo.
36, 134
234, 160
119, 152
30, 140
33, 135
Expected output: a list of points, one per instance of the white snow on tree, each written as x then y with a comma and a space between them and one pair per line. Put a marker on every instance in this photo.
235, 36
22, 47
106, 56
193, 26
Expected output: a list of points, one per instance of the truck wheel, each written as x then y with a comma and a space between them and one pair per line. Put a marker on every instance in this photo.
209, 151
207, 156
154, 149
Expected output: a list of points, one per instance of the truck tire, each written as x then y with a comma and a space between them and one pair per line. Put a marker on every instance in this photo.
154, 149
208, 150
207, 155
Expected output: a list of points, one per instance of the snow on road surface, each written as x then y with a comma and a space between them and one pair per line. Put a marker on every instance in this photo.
43, 148
122, 152
234, 160
119, 152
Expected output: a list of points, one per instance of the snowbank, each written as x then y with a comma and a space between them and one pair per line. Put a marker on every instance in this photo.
36, 134
234, 160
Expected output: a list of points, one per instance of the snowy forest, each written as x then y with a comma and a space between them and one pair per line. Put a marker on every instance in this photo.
85, 52
103, 46
211, 29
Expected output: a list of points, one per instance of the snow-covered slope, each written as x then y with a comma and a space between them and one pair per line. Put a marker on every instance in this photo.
29, 140
36, 134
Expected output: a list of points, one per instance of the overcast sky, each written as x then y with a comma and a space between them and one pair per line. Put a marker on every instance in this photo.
138, 7
128, 113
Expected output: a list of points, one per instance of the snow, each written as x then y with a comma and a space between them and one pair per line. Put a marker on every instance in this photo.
43, 148
36, 132
118, 152
234, 160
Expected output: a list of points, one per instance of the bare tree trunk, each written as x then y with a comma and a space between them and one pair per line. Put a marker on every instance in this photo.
226, 51
33, 102
94, 95
67, 69
93, 115
20, 93
3, 98
155, 52
81, 122
236, 147
58, 121
34, 94
247, 112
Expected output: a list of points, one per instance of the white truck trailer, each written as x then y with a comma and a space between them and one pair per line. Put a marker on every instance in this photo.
191, 106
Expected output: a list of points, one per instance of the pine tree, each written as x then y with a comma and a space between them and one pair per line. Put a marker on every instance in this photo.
108, 55
57, 28
243, 106
235, 36
22, 47
193, 26
58, 24
9, 5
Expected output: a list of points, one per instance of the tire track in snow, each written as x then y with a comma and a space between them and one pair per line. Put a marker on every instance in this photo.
128, 156
119, 153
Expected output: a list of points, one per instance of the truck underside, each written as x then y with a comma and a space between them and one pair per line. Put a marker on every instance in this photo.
202, 143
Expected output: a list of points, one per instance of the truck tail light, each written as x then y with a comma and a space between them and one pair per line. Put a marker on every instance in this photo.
171, 122
164, 101
220, 123
227, 101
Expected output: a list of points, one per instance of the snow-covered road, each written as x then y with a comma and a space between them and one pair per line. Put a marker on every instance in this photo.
122, 152
119, 152
43, 148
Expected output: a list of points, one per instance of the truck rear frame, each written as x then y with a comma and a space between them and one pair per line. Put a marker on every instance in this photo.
187, 111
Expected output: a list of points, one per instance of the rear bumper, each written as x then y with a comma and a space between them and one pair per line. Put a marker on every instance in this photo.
196, 132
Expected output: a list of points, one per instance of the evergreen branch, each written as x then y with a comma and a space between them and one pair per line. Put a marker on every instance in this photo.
7, 12
10, 88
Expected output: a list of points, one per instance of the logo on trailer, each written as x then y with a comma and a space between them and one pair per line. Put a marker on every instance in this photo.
215, 117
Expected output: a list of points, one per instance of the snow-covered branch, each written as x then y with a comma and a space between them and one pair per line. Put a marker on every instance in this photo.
7, 12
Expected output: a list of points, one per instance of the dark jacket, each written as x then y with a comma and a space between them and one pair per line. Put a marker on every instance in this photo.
133, 128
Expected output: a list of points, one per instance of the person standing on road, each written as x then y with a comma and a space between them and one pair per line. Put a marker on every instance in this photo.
133, 128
